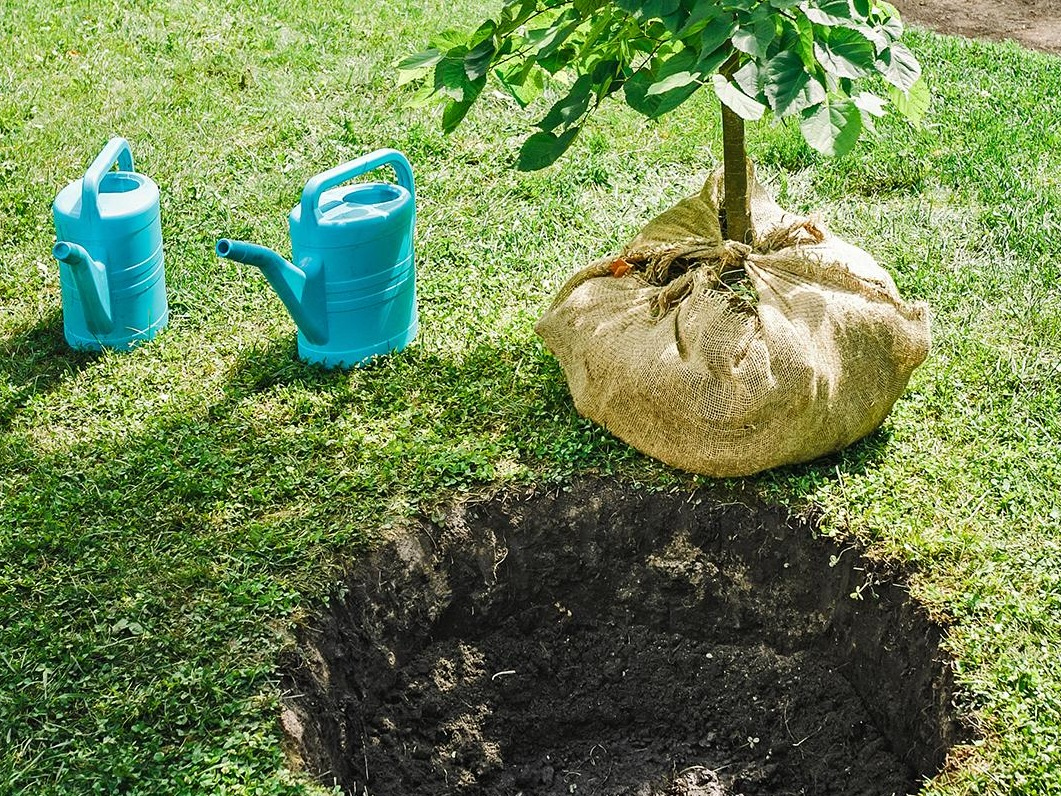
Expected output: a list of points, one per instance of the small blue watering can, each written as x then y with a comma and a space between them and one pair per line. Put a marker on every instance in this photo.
352, 293
109, 249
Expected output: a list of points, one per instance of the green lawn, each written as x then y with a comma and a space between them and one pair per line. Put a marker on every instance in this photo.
167, 515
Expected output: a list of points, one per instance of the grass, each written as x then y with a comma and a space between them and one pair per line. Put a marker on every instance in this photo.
167, 515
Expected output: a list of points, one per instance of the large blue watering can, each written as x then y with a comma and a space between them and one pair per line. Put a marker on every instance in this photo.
109, 249
352, 289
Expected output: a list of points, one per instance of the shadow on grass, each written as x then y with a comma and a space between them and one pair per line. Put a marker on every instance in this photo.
34, 361
209, 523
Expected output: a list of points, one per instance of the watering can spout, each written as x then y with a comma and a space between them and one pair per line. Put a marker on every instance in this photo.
90, 276
300, 287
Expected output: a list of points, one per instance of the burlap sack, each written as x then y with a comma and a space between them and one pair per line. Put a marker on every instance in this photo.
725, 359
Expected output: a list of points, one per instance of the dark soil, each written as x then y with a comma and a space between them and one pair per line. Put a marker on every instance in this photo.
603, 641
1033, 23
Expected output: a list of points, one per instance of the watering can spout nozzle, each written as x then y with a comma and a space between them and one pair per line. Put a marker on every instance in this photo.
91, 278
300, 287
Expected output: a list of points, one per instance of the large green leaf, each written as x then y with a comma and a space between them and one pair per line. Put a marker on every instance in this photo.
757, 39
421, 60
477, 61
448, 39
455, 110
543, 149
653, 105
659, 8
789, 87
515, 13
833, 127
716, 34
416, 66
751, 80
736, 100
888, 20
569, 108
846, 53
671, 82
899, 66
450, 77
698, 19
454, 113
587, 7
912, 104
829, 12
805, 40
523, 81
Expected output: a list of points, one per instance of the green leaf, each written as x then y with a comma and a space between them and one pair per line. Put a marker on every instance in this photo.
423, 96
870, 103
751, 79
415, 66
543, 149
453, 114
716, 34
879, 39
455, 111
829, 12
448, 39
671, 82
422, 60
899, 66
477, 61
756, 41
736, 100
515, 13
888, 20
833, 127
846, 53
586, 7
637, 97
523, 82
569, 108
913, 104
553, 37
698, 19
657, 9
800, 36
789, 87
450, 78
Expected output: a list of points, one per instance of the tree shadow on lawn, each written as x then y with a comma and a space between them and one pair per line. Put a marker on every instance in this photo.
210, 522
34, 361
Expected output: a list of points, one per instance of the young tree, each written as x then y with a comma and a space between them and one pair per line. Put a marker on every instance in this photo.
793, 58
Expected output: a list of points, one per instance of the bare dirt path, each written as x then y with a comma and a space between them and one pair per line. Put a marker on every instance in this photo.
1033, 23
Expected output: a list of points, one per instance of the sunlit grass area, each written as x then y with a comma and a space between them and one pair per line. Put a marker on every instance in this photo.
167, 515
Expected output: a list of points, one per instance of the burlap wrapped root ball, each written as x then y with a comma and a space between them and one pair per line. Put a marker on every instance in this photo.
726, 359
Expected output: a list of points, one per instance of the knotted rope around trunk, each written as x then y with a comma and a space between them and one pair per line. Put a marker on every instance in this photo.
671, 265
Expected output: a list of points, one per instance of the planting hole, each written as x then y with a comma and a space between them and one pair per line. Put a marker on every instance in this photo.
602, 640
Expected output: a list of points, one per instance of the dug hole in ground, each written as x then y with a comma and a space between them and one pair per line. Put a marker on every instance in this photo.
598, 639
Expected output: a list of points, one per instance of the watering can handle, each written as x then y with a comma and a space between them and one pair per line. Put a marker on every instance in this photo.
117, 149
317, 185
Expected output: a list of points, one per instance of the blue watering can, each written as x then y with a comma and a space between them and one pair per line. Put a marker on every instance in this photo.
109, 249
352, 293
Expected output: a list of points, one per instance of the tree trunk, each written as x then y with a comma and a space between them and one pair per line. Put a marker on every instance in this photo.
735, 178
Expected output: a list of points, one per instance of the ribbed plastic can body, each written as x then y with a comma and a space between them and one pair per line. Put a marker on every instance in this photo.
125, 236
363, 240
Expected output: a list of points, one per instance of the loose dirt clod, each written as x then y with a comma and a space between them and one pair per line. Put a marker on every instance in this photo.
601, 641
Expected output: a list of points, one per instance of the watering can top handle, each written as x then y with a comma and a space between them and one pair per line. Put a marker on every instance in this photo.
117, 149
317, 185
